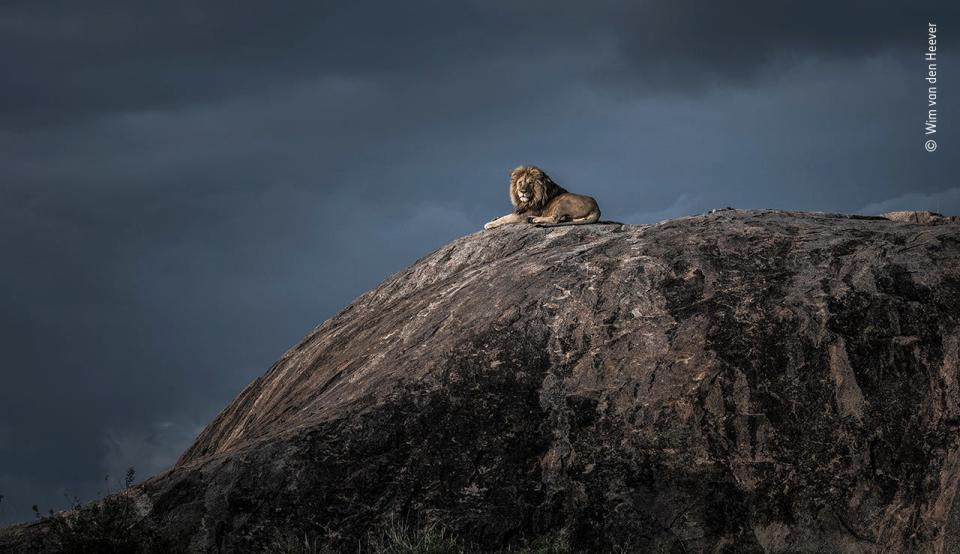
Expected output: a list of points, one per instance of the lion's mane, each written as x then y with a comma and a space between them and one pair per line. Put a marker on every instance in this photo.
544, 188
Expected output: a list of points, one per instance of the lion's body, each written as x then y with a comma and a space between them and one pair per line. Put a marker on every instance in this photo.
539, 200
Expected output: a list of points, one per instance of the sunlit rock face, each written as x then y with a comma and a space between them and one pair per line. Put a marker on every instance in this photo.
762, 380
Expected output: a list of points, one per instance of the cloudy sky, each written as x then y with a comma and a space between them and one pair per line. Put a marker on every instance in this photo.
186, 188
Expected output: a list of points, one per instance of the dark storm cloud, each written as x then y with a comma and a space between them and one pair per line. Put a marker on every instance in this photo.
70, 60
685, 45
188, 187
80, 60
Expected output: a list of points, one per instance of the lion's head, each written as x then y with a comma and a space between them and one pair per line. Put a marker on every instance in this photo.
531, 188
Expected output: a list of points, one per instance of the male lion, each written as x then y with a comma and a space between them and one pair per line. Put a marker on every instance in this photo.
537, 199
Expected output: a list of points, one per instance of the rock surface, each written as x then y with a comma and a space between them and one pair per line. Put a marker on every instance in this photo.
929, 218
743, 380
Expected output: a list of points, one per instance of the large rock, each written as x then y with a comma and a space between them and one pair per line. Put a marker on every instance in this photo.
763, 379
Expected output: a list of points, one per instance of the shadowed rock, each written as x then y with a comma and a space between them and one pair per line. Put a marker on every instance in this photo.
760, 379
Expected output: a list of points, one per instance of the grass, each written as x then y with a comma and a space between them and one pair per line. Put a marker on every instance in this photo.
398, 538
114, 526
109, 526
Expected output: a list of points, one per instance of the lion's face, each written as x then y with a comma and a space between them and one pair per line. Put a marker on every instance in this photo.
530, 188
524, 183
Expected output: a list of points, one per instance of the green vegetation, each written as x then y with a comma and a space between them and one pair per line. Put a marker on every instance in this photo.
398, 538
114, 525
109, 526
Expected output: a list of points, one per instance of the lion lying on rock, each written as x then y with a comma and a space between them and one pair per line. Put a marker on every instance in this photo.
537, 199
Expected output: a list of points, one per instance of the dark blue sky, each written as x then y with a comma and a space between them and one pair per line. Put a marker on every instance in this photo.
188, 187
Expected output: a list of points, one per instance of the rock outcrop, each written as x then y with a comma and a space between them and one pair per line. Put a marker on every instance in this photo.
743, 381
929, 218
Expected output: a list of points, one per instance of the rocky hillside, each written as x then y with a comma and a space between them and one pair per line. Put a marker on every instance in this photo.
741, 381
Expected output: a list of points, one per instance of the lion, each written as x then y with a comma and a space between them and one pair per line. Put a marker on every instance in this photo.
539, 200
